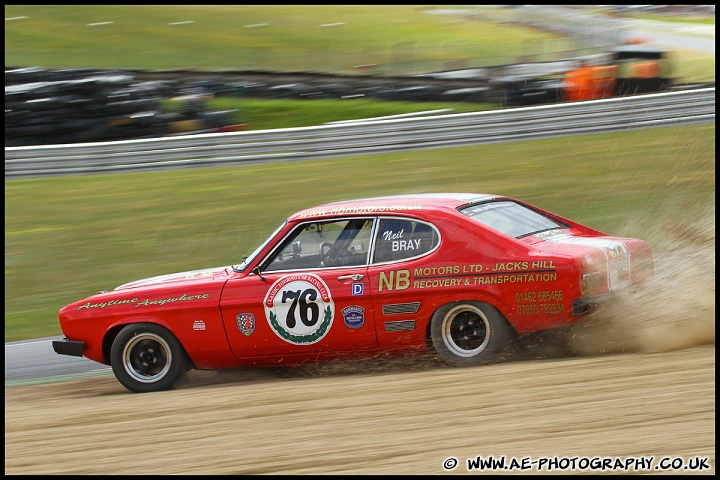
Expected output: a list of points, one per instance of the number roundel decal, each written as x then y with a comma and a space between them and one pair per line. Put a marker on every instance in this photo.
299, 308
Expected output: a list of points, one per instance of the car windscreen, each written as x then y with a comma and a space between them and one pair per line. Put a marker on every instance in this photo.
510, 218
247, 259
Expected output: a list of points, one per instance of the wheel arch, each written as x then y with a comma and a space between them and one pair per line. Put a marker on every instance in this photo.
112, 333
485, 300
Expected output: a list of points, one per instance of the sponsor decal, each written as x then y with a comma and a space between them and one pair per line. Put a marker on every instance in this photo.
518, 266
360, 209
552, 234
299, 308
358, 288
246, 323
198, 325
138, 303
354, 316
526, 302
181, 298
206, 273
467, 275
616, 253
108, 304
201, 274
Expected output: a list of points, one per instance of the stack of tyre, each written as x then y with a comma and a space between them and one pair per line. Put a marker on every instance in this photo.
45, 107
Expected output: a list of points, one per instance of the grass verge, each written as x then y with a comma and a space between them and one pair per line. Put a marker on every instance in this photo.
68, 237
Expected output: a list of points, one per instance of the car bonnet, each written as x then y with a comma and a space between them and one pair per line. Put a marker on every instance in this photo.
208, 273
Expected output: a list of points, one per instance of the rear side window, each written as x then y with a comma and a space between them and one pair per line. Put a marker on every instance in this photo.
402, 239
511, 218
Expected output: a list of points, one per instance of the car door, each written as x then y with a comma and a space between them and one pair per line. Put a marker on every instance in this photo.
310, 295
401, 248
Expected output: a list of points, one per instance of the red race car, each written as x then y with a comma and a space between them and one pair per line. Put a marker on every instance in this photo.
454, 274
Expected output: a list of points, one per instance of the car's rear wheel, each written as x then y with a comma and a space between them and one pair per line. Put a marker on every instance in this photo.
147, 358
469, 333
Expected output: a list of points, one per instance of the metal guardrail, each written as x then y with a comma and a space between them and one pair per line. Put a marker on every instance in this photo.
691, 107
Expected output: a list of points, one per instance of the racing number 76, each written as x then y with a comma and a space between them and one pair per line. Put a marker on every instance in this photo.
304, 302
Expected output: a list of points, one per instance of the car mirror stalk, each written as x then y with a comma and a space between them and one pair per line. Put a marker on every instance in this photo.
256, 271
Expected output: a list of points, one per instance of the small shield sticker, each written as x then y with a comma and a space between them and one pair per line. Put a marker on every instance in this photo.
354, 316
246, 323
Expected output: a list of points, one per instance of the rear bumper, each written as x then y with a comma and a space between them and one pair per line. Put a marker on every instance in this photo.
584, 306
68, 347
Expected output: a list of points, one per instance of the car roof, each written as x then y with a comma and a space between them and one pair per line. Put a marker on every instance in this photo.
393, 204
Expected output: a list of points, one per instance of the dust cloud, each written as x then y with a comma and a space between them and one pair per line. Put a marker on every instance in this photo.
674, 311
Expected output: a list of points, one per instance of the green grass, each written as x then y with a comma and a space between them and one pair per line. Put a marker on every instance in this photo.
262, 114
692, 67
237, 37
68, 237
397, 39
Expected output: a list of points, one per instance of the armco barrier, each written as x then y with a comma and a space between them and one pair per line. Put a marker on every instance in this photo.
690, 107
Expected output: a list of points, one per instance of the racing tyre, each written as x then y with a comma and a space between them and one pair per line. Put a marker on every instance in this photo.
147, 358
469, 333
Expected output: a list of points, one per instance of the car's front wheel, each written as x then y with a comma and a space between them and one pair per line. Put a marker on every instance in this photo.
469, 333
146, 357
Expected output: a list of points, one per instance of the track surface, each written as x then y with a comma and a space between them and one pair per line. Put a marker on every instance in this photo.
406, 419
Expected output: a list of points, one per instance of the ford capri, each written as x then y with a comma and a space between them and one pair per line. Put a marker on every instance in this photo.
456, 276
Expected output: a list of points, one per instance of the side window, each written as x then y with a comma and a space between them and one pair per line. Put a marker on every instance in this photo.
337, 243
424, 237
399, 239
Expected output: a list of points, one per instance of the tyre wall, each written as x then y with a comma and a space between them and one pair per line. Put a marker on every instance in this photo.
78, 105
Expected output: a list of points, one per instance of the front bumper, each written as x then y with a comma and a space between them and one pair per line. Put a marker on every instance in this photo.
68, 347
